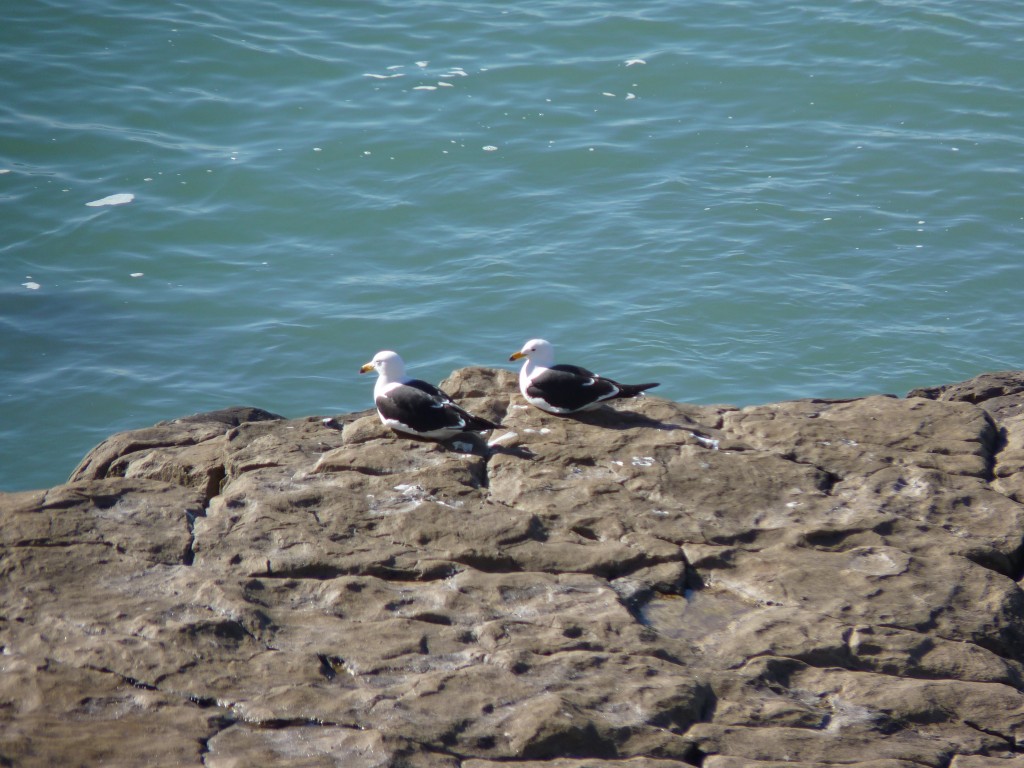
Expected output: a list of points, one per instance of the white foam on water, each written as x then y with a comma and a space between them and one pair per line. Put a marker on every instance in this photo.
118, 199
425, 88
490, 148
382, 77
32, 285
631, 62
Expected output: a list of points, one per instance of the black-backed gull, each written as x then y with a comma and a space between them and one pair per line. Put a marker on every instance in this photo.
565, 389
415, 408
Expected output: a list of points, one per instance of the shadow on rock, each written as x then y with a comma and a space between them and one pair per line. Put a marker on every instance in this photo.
611, 418
476, 445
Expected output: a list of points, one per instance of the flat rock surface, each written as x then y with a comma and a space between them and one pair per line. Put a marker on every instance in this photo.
804, 583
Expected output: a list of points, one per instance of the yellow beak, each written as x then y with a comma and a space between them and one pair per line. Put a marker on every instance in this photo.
366, 368
516, 356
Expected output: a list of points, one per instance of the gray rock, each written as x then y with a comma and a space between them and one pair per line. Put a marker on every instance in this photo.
650, 584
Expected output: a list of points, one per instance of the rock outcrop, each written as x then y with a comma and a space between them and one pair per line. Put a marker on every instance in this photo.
801, 583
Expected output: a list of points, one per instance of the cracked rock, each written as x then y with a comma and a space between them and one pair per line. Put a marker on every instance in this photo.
650, 584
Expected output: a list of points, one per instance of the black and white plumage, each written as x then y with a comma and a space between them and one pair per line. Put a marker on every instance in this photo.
415, 408
563, 389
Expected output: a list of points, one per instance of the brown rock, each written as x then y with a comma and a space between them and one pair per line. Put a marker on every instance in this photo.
651, 584
57, 713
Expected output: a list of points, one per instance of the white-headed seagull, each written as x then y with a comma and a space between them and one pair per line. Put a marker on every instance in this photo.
563, 389
415, 408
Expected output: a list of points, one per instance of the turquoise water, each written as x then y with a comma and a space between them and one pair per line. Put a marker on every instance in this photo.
746, 201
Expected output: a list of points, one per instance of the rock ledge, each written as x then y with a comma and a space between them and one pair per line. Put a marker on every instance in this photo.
800, 583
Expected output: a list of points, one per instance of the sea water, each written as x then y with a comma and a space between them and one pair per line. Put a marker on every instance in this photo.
240, 203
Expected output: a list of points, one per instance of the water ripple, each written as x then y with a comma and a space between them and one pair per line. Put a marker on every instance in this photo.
750, 201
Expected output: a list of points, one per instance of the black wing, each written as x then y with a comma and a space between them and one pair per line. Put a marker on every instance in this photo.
430, 389
609, 388
424, 408
570, 387
417, 410
573, 369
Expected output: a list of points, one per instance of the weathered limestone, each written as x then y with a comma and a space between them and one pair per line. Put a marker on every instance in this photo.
802, 583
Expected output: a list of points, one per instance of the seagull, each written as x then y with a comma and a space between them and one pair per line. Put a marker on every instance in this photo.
414, 408
562, 389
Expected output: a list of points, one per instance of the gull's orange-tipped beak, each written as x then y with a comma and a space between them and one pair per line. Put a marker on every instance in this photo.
516, 356
366, 368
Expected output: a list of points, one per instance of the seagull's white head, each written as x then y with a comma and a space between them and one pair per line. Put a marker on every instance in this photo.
537, 351
388, 365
